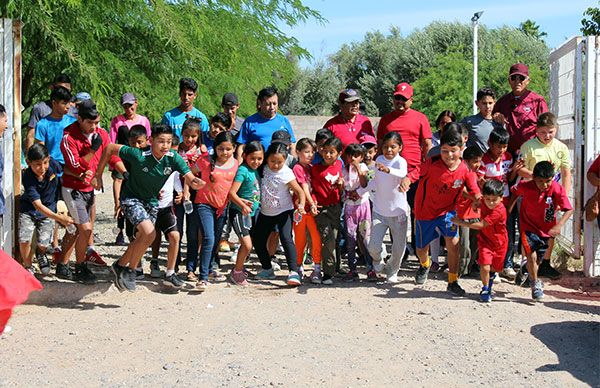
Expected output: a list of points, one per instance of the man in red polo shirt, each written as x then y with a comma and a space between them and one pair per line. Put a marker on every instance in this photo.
349, 125
415, 131
518, 110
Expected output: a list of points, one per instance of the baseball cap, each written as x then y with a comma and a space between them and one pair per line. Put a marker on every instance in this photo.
367, 139
230, 99
520, 69
128, 98
349, 95
404, 89
281, 136
82, 96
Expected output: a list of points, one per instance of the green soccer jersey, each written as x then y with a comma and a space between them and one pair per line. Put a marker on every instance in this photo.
147, 175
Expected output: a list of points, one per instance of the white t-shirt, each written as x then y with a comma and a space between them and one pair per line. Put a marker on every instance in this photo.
173, 183
275, 196
388, 201
352, 182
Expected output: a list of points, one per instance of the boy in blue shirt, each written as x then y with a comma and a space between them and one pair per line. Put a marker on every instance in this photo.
176, 117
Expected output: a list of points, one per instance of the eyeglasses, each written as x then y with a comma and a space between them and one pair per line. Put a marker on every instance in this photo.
398, 97
518, 77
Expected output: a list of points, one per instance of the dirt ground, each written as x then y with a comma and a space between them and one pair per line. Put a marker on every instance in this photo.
345, 335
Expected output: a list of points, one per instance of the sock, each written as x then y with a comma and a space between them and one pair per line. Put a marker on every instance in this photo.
89, 249
170, 272
318, 267
452, 277
426, 264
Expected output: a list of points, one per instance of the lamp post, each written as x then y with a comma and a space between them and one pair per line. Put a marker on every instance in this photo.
475, 20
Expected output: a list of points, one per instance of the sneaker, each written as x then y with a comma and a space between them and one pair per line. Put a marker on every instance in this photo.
202, 285
372, 276
43, 263
293, 279
491, 282
238, 278
455, 289
509, 273
173, 281
378, 266
139, 273
275, 265
537, 290
97, 239
127, 278
191, 277
64, 272
116, 270
327, 279
316, 277
224, 246
485, 295
155, 269
392, 279
351, 276
421, 275
83, 274
308, 259
522, 278
546, 270
31, 270
56, 255
92, 257
214, 276
300, 272
120, 240
435, 266
266, 274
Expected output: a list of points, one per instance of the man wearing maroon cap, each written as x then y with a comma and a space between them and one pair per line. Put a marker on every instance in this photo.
519, 109
349, 125
415, 131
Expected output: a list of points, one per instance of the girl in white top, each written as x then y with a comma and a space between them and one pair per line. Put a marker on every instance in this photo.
277, 208
390, 207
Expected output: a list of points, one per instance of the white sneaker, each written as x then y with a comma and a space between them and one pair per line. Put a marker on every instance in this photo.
392, 279
509, 273
276, 267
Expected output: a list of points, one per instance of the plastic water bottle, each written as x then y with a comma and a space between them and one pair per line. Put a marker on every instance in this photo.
71, 228
187, 206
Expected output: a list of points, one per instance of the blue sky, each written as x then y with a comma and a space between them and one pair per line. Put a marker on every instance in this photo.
349, 20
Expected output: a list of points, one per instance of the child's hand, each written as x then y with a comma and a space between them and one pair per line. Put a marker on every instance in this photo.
178, 198
160, 194
117, 210
96, 182
313, 209
476, 204
65, 220
554, 231
197, 183
519, 164
499, 118
455, 220
382, 168
404, 185
353, 195
356, 164
340, 182
246, 206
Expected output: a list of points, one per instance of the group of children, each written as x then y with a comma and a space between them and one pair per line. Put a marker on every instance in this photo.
191, 174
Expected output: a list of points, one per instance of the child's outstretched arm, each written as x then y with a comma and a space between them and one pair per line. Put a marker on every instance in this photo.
295, 187
244, 204
475, 225
64, 219
555, 231
110, 150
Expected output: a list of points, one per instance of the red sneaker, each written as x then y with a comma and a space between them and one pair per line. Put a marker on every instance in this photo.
93, 258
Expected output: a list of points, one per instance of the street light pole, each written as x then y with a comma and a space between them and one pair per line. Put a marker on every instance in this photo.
475, 20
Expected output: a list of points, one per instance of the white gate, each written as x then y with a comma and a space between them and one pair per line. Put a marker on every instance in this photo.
574, 82
10, 97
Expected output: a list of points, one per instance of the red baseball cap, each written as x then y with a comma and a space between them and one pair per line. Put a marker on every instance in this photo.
520, 69
367, 139
404, 89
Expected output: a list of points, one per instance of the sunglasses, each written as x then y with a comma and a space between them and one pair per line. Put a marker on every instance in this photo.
400, 98
517, 77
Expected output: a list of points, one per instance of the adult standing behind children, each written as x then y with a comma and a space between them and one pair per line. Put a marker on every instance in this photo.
482, 124
349, 125
518, 110
415, 132
230, 105
261, 125
188, 89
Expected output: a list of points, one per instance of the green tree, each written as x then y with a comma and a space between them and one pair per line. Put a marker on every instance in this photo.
146, 46
529, 27
591, 26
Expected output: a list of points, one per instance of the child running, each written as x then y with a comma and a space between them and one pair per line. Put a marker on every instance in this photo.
38, 206
492, 240
442, 181
245, 201
542, 198
149, 170
390, 206
305, 149
277, 209
327, 184
218, 171
357, 209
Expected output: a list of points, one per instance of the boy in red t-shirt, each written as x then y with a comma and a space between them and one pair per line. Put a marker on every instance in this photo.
542, 198
492, 239
442, 181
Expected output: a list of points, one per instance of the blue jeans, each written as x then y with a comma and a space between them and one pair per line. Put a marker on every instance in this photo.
191, 236
211, 227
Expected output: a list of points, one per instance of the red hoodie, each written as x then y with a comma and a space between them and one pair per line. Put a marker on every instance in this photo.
74, 146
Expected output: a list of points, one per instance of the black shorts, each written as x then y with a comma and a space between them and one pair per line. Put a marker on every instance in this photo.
531, 242
166, 221
240, 223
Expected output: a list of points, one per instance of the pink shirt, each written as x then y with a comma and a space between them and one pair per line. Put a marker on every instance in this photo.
215, 192
119, 120
349, 132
